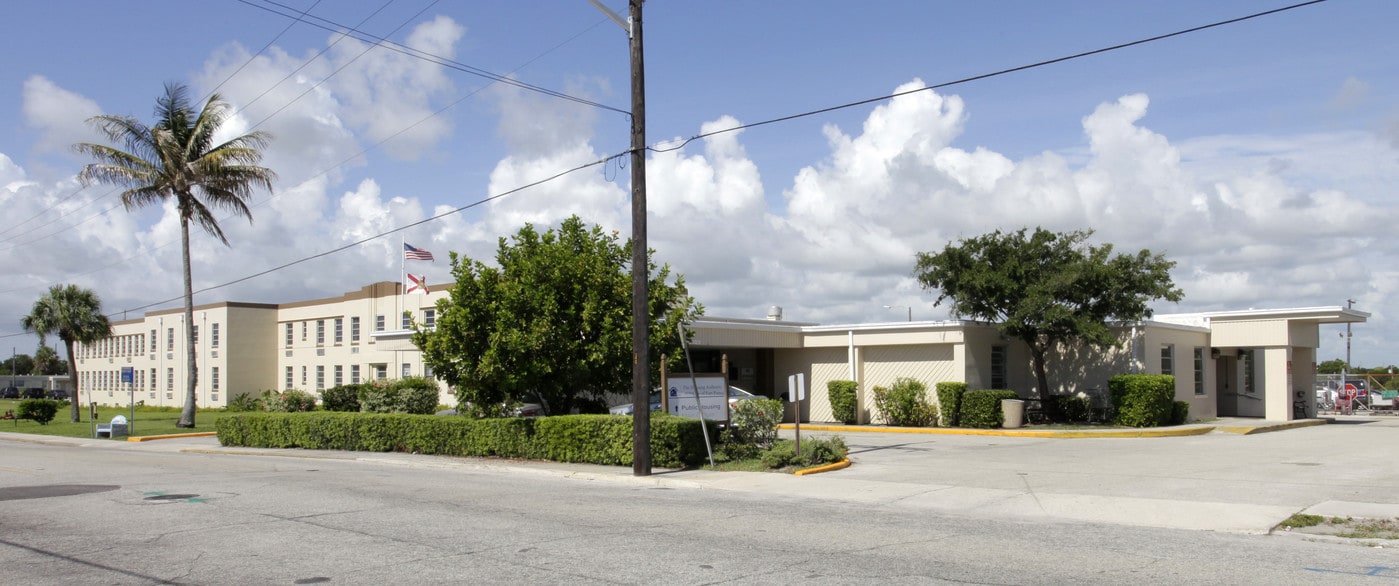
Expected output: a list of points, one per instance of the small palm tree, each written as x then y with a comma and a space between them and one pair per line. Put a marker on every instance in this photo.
75, 315
178, 159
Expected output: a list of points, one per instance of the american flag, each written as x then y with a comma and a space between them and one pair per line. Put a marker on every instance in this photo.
412, 253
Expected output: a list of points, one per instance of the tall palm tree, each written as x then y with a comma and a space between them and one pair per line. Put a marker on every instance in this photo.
178, 159
75, 314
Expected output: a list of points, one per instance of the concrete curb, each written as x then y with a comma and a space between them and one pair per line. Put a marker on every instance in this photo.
1066, 434
146, 438
1255, 429
826, 468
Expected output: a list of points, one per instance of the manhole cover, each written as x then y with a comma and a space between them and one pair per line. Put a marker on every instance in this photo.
14, 493
171, 497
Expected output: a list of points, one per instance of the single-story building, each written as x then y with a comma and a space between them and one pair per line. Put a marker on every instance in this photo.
1250, 363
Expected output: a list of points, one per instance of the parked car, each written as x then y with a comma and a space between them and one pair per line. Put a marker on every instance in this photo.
524, 410
735, 395
9, 393
33, 393
59, 394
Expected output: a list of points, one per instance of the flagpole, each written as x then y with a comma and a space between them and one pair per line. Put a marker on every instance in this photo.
402, 276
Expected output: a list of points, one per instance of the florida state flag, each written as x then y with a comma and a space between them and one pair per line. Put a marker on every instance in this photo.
416, 283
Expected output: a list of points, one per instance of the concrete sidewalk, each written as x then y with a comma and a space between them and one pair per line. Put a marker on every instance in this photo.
1215, 480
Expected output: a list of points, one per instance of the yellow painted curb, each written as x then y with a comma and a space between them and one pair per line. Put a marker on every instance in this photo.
1067, 434
827, 468
146, 438
1250, 429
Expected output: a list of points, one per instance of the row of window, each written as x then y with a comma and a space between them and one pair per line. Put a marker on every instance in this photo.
379, 372
338, 327
1168, 366
110, 380
135, 344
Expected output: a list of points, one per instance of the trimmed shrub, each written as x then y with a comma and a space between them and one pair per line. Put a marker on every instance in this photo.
410, 395
341, 398
1068, 408
754, 421
676, 442
982, 409
39, 410
843, 403
815, 452
905, 404
1180, 413
950, 402
289, 401
1142, 400
245, 402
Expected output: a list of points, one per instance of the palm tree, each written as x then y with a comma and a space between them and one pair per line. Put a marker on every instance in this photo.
75, 314
178, 159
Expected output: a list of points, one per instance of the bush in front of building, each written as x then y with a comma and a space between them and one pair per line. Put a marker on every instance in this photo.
40, 410
982, 409
905, 404
676, 442
413, 394
842, 397
1068, 408
341, 397
288, 401
815, 452
1180, 413
1142, 400
245, 402
950, 402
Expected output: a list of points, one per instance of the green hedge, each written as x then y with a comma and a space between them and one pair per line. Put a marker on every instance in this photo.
1181, 413
409, 395
842, 396
676, 442
341, 397
950, 402
1143, 400
905, 404
982, 409
41, 410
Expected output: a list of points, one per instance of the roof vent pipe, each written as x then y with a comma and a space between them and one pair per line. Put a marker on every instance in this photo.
775, 313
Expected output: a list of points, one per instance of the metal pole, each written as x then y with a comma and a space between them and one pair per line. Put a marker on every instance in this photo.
694, 385
641, 354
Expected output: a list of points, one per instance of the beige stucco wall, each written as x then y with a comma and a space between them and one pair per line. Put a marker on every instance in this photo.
1184, 342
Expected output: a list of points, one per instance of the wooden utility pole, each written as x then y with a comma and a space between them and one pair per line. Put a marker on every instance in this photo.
640, 308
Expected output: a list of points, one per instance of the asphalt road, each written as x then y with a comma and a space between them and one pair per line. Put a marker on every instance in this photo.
186, 511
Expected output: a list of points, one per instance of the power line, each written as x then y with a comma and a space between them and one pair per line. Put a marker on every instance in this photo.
984, 75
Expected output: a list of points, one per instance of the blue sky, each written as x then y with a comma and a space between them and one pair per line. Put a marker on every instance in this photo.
1260, 155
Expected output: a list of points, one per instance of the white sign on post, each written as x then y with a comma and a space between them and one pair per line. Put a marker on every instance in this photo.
796, 387
713, 397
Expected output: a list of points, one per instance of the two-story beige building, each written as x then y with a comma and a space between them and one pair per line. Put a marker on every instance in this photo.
1252, 363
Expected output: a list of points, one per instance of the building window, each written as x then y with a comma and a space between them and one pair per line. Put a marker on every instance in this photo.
320, 376
427, 370
153, 378
1246, 365
998, 368
1199, 371
303, 331
288, 342
169, 380
214, 379
1168, 359
290, 379
429, 317
407, 321
354, 374
214, 335
320, 332
381, 371
169, 339
339, 330
379, 323
153, 338
407, 370
303, 377
339, 375
354, 329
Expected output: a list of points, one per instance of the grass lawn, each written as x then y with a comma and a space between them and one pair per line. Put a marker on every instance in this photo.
149, 421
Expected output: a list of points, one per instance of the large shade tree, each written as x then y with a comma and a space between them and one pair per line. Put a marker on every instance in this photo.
177, 159
1046, 288
551, 322
75, 315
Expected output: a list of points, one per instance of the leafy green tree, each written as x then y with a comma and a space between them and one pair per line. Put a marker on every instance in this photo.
47, 362
19, 364
75, 315
1046, 288
1332, 366
551, 323
177, 159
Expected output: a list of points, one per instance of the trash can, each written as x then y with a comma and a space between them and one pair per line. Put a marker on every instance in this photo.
1014, 412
